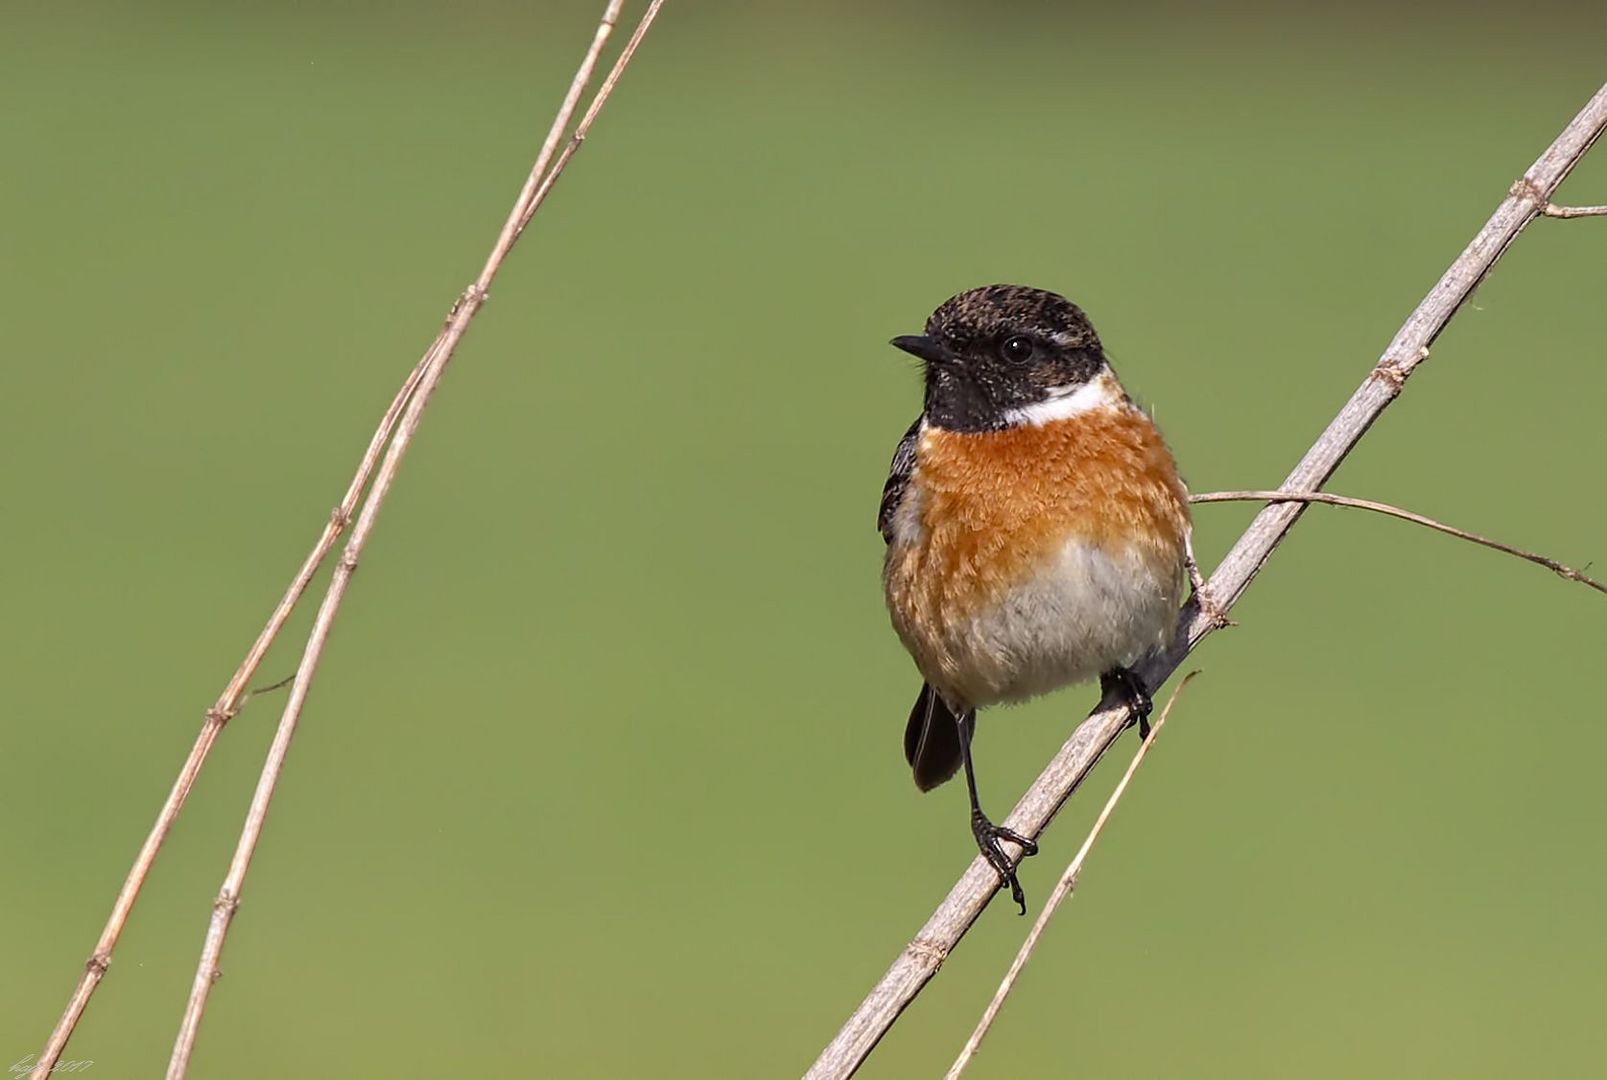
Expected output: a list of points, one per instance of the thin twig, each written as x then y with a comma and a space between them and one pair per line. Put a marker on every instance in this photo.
271, 687
463, 312
1405, 515
583, 128
1063, 889
225, 708
922, 958
1553, 210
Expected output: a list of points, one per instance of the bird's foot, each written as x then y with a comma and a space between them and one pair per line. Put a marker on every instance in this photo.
1139, 702
988, 836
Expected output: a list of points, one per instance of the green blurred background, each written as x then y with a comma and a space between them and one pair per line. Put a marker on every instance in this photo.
602, 773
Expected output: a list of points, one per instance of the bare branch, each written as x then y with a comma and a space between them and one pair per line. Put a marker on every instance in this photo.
1405, 515
1063, 889
921, 959
1553, 210
583, 128
228, 704
468, 305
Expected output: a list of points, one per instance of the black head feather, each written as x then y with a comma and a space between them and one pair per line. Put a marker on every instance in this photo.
995, 350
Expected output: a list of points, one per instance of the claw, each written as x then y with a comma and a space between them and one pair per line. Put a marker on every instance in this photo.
1138, 699
988, 836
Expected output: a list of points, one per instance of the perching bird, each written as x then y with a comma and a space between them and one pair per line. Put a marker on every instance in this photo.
1036, 528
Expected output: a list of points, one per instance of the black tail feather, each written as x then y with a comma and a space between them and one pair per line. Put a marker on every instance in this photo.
932, 739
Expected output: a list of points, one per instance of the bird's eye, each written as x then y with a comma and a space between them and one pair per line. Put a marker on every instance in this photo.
1018, 349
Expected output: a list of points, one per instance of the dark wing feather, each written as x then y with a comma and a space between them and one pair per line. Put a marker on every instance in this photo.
932, 739
898, 478
932, 735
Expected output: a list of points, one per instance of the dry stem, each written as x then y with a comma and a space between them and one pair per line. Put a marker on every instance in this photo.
921, 959
406, 408
1553, 210
535, 190
1063, 889
228, 704
1405, 515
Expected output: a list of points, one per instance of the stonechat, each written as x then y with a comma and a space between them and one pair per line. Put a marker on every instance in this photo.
1036, 526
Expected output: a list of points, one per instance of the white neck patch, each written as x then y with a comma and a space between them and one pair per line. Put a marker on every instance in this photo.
1100, 392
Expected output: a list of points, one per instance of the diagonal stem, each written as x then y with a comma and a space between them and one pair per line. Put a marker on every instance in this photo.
539, 182
222, 711
921, 959
1062, 891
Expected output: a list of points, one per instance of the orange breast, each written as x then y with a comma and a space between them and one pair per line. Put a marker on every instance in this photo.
993, 504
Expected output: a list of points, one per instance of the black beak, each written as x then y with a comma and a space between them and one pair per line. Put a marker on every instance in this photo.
922, 346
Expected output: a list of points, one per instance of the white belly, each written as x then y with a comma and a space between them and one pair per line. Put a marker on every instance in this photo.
1086, 612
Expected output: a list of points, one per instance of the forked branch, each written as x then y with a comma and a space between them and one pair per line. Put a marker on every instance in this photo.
535, 190
392, 439
222, 711
921, 959
1062, 890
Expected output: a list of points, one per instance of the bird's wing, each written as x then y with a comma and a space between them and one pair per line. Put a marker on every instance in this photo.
898, 478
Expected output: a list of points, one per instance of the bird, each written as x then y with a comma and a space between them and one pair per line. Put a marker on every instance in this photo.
1037, 530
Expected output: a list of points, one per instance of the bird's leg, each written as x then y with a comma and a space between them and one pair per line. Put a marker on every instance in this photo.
1138, 699
988, 834
1202, 591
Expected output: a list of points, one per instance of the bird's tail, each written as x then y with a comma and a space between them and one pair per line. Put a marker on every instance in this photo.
932, 739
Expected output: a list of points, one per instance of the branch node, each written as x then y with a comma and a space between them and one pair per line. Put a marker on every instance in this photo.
1214, 612
1525, 188
471, 297
340, 517
216, 717
1391, 375
226, 903
929, 954
96, 965
348, 562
